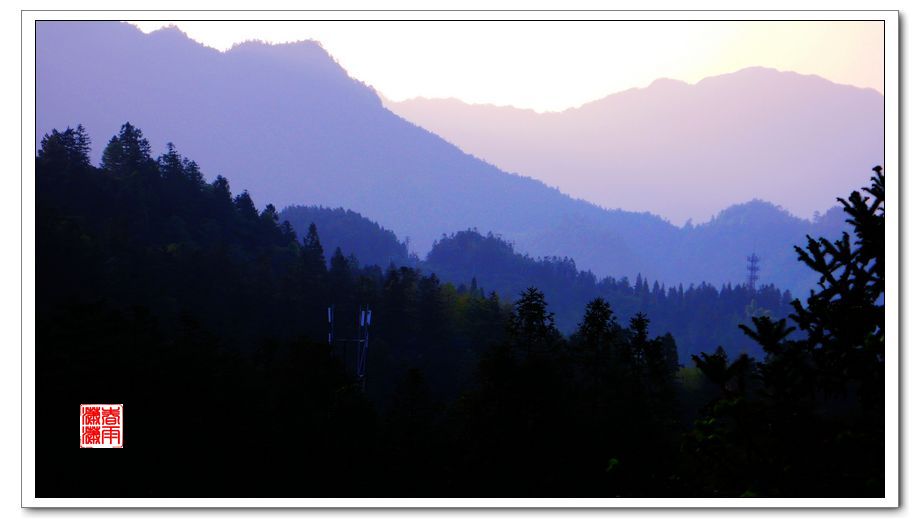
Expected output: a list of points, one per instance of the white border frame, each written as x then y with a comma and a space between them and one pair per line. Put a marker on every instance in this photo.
892, 249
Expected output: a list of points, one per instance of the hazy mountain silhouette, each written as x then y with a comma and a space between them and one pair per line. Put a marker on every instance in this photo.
700, 317
498, 266
356, 235
289, 124
683, 150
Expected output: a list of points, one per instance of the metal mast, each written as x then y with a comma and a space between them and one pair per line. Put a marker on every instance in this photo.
364, 333
360, 342
753, 267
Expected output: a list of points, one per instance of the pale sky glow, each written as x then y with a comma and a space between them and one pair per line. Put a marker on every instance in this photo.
551, 66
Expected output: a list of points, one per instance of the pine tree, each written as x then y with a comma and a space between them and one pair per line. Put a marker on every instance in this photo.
221, 188
816, 423
595, 340
170, 163
245, 206
340, 277
65, 152
639, 342
531, 323
597, 324
313, 259
127, 153
844, 320
269, 215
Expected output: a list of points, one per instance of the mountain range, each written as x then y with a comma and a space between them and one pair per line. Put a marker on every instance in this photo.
289, 124
683, 151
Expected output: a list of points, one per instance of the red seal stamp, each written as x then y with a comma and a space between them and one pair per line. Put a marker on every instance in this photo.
102, 425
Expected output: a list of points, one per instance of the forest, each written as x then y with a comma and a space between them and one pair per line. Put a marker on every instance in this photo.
699, 317
207, 318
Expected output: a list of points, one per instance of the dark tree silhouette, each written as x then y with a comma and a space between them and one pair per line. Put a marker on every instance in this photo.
162, 291
127, 152
815, 424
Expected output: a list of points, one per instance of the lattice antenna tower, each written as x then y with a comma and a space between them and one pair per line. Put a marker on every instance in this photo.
364, 334
359, 343
753, 266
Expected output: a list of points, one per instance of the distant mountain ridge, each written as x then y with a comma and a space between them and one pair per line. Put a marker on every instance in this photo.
373, 244
356, 235
683, 150
289, 124
484, 263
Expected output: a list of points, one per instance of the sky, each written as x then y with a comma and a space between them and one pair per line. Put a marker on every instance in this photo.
551, 66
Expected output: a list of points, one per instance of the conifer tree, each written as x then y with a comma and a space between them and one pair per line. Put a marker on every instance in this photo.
313, 259
245, 206
531, 323
127, 153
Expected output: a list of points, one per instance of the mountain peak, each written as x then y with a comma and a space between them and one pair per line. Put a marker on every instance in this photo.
685, 150
764, 74
167, 31
667, 82
294, 46
760, 210
289, 124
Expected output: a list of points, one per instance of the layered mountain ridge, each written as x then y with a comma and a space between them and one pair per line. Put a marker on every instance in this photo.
680, 150
289, 124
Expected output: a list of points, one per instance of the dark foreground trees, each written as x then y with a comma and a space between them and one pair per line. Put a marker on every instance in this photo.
809, 420
206, 318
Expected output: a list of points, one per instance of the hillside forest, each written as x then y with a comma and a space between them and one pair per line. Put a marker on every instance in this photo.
489, 373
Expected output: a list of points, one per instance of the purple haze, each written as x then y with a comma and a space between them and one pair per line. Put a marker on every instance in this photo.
288, 124
680, 150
